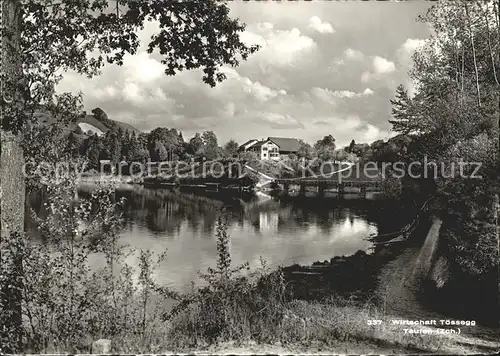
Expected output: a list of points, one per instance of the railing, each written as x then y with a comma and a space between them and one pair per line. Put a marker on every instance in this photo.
329, 183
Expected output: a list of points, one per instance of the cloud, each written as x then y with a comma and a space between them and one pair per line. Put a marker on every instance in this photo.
321, 123
237, 86
280, 121
344, 129
316, 24
405, 53
353, 54
330, 95
368, 91
143, 68
278, 47
366, 76
382, 65
372, 133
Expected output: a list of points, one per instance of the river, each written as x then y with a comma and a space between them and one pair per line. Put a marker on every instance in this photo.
280, 232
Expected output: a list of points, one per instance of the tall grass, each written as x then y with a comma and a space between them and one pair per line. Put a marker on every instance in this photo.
233, 306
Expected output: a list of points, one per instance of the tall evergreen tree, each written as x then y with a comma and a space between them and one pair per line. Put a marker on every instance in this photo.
115, 148
351, 146
125, 145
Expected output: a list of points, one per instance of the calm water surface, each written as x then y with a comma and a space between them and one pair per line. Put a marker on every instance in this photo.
282, 233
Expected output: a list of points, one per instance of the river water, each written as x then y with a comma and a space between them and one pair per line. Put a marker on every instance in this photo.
280, 232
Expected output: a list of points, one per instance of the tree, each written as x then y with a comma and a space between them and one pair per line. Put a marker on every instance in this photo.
305, 150
40, 38
405, 117
195, 144
133, 148
340, 155
210, 145
170, 138
351, 146
249, 156
115, 147
125, 145
100, 115
231, 148
327, 142
78, 130
161, 152
359, 149
73, 145
93, 151
326, 154
453, 114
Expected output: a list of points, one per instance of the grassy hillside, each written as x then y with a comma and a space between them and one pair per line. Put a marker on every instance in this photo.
91, 120
107, 125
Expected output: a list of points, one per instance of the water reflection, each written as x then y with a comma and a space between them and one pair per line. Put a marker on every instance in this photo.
282, 232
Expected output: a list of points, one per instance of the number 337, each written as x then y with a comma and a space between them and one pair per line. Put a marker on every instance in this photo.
374, 322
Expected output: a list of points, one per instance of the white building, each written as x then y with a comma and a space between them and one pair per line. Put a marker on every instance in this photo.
273, 148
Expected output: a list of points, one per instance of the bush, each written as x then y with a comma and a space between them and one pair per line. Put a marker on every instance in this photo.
232, 306
392, 187
65, 303
470, 244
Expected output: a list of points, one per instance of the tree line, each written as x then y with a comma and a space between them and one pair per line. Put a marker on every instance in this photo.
168, 144
453, 112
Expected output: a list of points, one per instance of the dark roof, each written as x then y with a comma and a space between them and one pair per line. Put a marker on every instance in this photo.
246, 143
286, 144
258, 144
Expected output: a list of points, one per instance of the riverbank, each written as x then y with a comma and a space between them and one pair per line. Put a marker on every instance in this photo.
354, 276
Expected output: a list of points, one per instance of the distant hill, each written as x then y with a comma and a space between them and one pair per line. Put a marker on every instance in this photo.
107, 125
90, 120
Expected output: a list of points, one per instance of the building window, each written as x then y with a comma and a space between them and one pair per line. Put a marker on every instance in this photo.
264, 148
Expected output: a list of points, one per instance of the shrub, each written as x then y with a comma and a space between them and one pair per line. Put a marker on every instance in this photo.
233, 306
65, 303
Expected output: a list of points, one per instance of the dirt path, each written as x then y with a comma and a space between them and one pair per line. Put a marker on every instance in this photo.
399, 283
313, 348
399, 280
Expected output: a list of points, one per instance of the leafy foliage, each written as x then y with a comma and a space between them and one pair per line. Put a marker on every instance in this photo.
327, 142
232, 306
453, 115
231, 148
67, 303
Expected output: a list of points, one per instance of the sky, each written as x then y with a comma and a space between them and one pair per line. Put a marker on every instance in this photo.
324, 68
